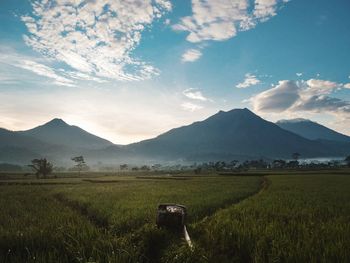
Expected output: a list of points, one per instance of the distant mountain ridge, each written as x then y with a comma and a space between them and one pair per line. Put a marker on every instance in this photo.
312, 130
235, 134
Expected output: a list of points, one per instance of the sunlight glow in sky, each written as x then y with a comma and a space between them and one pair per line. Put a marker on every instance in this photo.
130, 70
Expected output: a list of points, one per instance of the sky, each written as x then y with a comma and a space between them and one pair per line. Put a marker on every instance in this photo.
130, 70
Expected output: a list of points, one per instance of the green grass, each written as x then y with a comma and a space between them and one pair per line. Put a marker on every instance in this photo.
35, 227
104, 222
291, 217
298, 218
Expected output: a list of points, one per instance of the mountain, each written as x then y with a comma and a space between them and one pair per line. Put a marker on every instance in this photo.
13, 139
55, 140
59, 132
236, 134
312, 130
17, 148
226, 135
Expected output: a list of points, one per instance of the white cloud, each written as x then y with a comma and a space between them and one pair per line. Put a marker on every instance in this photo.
264, 9
322, 84
277, 99
191, 55
194, 94
94, 37
188, 106
299, 74
301, 96
347, 85
221, 19
250, 80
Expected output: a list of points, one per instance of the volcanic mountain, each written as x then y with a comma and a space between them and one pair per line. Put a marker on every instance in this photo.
225, 135
59, 132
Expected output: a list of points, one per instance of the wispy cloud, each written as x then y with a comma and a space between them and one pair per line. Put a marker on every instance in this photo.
194, 94
299, 74
11, 58
82, 76
250, 80
189, 106
45, 71
94, 37
191, 55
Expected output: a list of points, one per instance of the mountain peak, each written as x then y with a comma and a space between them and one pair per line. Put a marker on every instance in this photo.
237, 111
244, 110
56, 122
59, 132
234, 114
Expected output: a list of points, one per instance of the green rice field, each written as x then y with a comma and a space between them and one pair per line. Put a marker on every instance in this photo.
282, 217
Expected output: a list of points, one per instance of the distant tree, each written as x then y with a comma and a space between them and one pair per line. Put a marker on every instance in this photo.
279, 163
79, 163
219, 166
123, 167
293, 164
347, 160
41, 167
233, 163
295, 156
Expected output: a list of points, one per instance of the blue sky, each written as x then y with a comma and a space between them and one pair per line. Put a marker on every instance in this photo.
130, 70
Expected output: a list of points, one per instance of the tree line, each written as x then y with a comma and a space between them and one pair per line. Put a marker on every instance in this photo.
42, 168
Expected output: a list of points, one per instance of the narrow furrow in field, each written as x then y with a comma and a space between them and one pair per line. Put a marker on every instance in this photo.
83, 209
